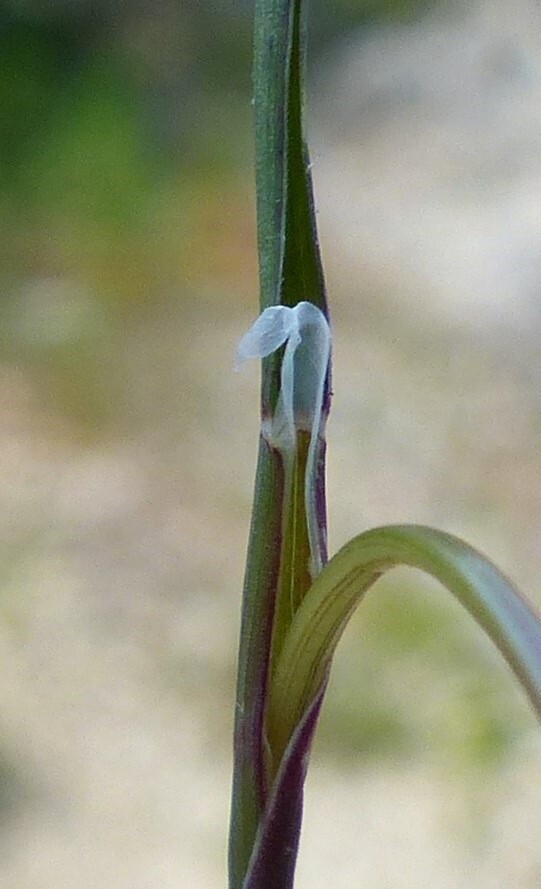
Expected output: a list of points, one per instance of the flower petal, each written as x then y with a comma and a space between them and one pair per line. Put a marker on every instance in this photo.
306, 333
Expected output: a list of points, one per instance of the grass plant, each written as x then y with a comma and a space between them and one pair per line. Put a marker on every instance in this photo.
296, 601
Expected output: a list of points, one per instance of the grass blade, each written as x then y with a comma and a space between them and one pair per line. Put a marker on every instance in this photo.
319, 622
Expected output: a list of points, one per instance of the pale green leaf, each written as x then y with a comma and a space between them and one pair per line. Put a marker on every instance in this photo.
320, 620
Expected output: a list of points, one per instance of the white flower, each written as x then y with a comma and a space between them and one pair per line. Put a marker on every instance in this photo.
307, 337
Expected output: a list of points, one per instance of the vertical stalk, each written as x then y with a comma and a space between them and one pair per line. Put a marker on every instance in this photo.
290, 271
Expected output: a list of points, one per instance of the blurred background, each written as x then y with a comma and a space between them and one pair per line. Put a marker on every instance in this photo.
127, 444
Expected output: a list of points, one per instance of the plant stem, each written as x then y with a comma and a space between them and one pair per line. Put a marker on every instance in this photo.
290, 271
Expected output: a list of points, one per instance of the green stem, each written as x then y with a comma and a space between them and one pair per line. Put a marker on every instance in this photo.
261, 578
290, 271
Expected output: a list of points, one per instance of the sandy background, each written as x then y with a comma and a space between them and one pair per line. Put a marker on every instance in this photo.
127, 450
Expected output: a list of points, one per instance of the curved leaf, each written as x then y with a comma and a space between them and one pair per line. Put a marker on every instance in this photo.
320, 620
